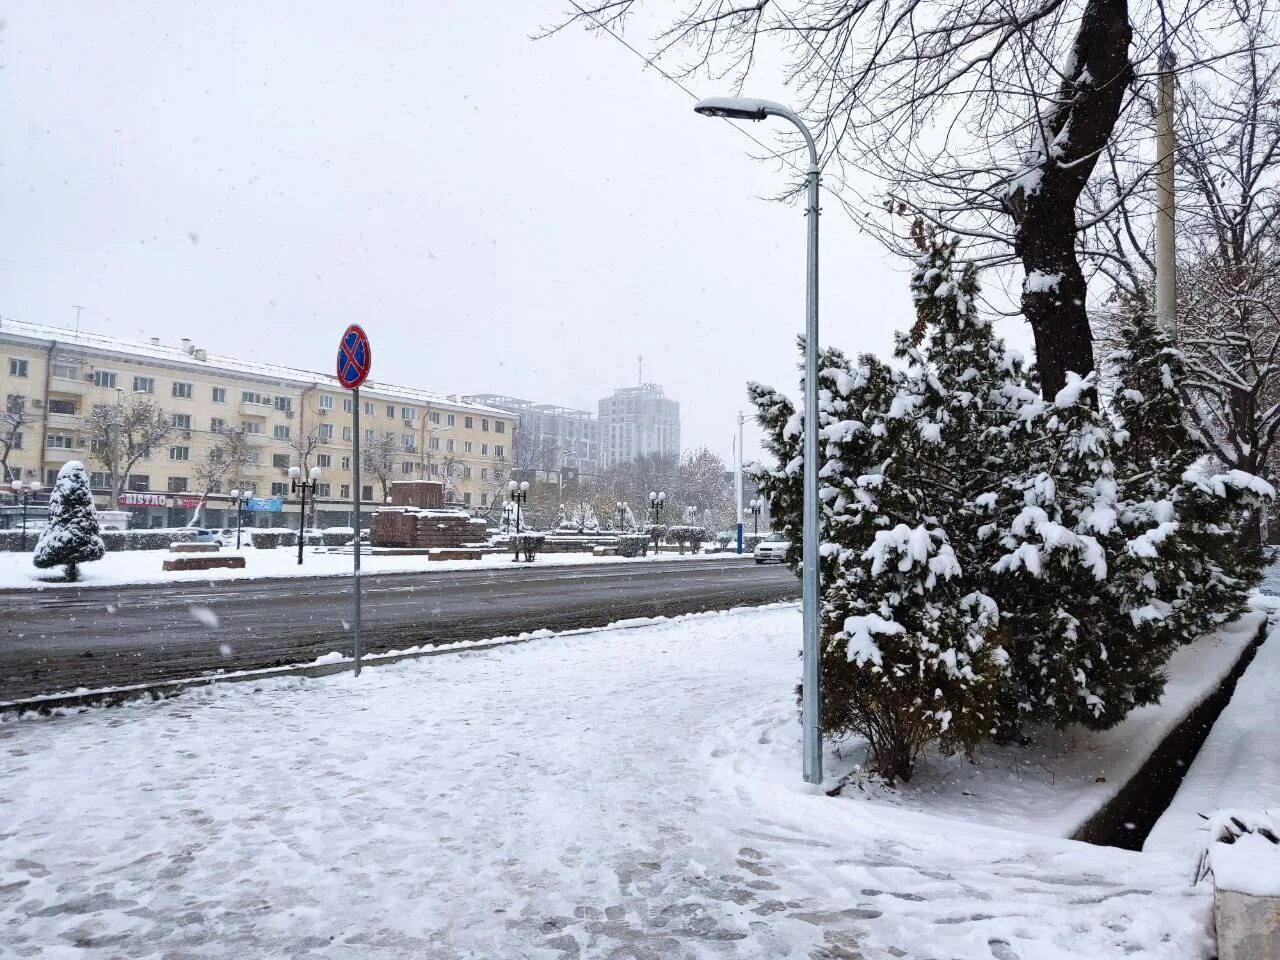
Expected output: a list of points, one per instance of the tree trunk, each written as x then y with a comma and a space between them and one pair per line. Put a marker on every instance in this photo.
1043, 204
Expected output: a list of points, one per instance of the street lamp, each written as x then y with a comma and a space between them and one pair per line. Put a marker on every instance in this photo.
240, 498
743, 108
24, 492
622, 515
756, 506
303, 487
519, 493
657, 503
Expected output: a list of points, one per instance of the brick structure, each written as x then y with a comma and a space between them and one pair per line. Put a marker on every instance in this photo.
423, 494
408, 525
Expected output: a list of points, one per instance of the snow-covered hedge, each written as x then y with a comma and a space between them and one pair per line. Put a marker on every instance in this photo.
528, 544
337, 536
115, 541
267, 539
686, 535
633, 545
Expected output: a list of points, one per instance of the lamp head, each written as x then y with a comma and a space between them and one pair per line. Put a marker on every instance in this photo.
524, 486
737, 108
295, 472
313, 474
512, 486
35, 486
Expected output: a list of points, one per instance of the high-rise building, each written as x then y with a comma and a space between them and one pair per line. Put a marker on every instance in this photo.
635, 421
558, 437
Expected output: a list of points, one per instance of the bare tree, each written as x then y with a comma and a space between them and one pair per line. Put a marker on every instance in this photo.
985, 117
14, 420
378, 456
122, 433
231, 452
535, 453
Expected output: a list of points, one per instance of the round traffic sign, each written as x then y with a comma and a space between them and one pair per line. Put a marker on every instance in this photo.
355, 356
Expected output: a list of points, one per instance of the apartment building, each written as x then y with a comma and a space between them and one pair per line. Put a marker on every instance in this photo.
291, 417
638, 420
559, 437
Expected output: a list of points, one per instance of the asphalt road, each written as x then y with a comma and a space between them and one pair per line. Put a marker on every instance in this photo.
59, 640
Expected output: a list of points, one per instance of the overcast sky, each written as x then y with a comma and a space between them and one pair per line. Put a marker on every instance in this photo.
501, 214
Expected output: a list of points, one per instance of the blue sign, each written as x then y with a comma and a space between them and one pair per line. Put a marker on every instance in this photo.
265, 504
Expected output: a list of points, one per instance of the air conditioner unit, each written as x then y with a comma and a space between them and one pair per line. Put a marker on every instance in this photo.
288, 414
186, 434
37, 404
323, 412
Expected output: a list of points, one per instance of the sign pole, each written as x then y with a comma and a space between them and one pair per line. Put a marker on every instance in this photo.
355, 509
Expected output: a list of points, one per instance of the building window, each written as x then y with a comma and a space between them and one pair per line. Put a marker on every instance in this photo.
435, 470
406, 468
484, 449
279, 488
484, 499
144, 384
64, 371
58, 406
17, 367
466, 473
484, 424
219, 394
285, 404
468, 422
348, 405
252, 426
368, 410
281, 460
449, 445
217, 424
498, 450
498, 474
366, 492
452, 420
433, 443
280, 432
368, 435
409, 441
99, 481
346, 433
139, 482
104, 379
324, 460
466, 498
326, 401
500, 426
323, 490
177, 484
484, 473
391, 410
408, 413
435, 416
346, 463
249, 396
179, 453
180, 421
60, 441
326, 432
183, 390
466, 447
344, 491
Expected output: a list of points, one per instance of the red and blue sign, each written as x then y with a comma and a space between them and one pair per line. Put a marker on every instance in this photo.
355, 356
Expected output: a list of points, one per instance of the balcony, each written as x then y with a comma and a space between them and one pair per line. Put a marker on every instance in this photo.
63, 454
63, 421
73, 388
248, 409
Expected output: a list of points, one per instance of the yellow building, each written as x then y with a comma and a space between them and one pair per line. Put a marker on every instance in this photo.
55, 377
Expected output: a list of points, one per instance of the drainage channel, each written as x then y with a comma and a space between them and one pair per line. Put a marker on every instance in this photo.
1129, 816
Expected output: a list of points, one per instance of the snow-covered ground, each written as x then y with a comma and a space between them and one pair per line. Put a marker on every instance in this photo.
145, 566
623, 793
1238, 768
1056, 784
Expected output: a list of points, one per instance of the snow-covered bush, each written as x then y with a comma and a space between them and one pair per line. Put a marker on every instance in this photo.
337, 536
633, 545
265, 539
989, 558
686, 535
528, 545
71, 537
654, 531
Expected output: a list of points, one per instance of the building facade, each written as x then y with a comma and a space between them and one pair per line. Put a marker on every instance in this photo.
635, 421
57, 377
565, 437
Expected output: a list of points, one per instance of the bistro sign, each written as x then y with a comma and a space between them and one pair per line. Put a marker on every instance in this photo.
143, 500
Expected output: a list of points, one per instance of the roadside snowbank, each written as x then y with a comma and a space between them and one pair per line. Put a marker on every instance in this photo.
605, 794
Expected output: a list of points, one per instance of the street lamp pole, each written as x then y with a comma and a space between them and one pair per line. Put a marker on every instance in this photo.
622, 507
756, 507
657, 503
239, 496
742, 108
519, 493
303, 487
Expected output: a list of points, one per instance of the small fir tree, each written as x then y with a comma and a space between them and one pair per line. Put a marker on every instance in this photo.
71, 537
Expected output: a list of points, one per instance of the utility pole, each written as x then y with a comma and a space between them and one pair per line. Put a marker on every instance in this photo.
737, 482
1166, 260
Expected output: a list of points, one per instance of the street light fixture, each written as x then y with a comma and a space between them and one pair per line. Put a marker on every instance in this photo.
657, 503
745, 108
23, 492
755, 506
240, 498
519, 493
622, 515
303, 487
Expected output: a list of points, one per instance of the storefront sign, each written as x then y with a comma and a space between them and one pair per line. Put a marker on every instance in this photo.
187, 502
142, 500
265, 504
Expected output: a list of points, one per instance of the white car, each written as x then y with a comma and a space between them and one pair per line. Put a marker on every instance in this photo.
772, 549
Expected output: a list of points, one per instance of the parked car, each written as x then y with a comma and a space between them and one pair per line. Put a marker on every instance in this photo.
204, 536
772, 548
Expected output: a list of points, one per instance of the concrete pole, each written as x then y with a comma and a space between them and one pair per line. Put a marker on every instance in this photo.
737, 483
1166, 258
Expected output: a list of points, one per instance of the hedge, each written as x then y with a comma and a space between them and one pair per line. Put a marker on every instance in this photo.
690, 535
116, 541
633, 545
528, 544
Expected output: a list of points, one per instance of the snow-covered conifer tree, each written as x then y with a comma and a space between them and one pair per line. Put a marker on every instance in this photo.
71, 538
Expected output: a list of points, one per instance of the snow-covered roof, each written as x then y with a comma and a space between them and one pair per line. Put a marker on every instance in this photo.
189, 357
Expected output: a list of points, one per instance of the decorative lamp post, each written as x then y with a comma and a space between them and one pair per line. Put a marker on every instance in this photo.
23, 492
657, 503
240, 497
302, 488
519, 493
744, 108
756, 506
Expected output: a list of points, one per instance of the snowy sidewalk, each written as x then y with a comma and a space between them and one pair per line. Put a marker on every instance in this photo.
623, 794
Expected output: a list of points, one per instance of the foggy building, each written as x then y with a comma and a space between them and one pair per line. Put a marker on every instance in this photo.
638, 420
